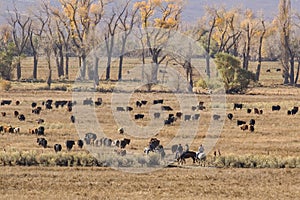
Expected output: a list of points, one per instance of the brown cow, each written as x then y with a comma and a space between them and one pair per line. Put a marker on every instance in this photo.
244, 127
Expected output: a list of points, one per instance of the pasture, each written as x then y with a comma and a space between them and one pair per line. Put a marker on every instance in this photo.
276, 137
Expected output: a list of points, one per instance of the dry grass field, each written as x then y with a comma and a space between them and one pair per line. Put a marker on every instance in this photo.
276, 137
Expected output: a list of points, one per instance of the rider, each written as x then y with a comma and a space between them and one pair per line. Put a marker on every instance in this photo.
187, 148
179, 151
200, 150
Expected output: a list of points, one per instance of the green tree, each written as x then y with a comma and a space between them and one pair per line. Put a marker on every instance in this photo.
234, 77
7, 54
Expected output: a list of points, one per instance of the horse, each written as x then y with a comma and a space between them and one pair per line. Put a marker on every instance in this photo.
201, 158
187, 154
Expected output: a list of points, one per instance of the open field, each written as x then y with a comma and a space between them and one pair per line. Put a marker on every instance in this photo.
276, 134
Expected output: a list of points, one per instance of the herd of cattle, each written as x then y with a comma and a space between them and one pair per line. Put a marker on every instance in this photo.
91, 138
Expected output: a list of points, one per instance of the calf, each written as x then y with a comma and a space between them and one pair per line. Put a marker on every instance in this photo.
240, 122
276, 108
57, 148
244, 127
139, 116
70, 144
216, 117
16, 113
237, 105
80, 143
124, 142
72, 119
251, 128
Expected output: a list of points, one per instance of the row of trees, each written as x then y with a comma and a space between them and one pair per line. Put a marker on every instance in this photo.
76, 27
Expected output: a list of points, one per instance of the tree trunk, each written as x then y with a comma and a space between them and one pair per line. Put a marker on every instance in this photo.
49, 79
292, 70
83, 67
258, 69
19, 72
121, 58
61, 62
297, 73
67, 66
35, 65
96, 73
108, 68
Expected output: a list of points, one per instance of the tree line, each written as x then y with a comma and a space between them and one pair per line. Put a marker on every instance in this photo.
73, 28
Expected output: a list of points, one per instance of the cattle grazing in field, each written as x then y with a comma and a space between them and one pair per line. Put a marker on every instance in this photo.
48, 104
256, 111
40, 130
156, 115
120, 109
216, 117
88, 101
70, 144
230, 116
158, 101
124, 142
240, 122
42, 142
57, 147
268, 70
166, 108
128, 108
251, 128
196, 116
121, 130
16, 130
244, 127
153, 143
16, 113
295, 110
252, 122
237, 105
17, 103
72, 118
144, 102
5, 102
80, 143
278, 70
139, 116
249, 110
33, 105
178, 114
89, 138
276, 108
138, 104
1, 129
40, 121
60, 103
37, 110
3, 114
185, 155
171, 119
99, 102
8, 129
21, 117
261, 112
106, 142
187, 117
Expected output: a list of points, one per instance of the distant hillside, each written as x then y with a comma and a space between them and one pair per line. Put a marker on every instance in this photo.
193, 10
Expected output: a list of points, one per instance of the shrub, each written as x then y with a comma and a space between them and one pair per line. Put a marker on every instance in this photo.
234, 77
5, 85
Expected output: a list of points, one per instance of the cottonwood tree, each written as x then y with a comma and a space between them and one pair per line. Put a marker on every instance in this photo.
83, 16
127, 22
159, 19
21, 25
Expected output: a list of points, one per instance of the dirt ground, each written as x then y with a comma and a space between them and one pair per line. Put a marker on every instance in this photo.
169, 183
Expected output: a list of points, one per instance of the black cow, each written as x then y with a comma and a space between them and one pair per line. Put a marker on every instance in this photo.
120, 109
124, 142
42, 142
89, 138
144, 102
187, 117
196, 116
156, 115
40, 121
237, 105
80, 143
70, 144
159, 101
171, 119
240, 122
37, 110
48, 104
154, 142
278, 70
249, 110
17, 103
230, 116
128, 108
3, 114
252, 122
166, 108
251, 128
276, 108
139, 116
33, 104
98, 102
294, 110
40, 130
21, 117
216, 117
1, 129
72, 119
88, 101
268, 70
179, 114
57, 147
138, 104
5, 102
256, 111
